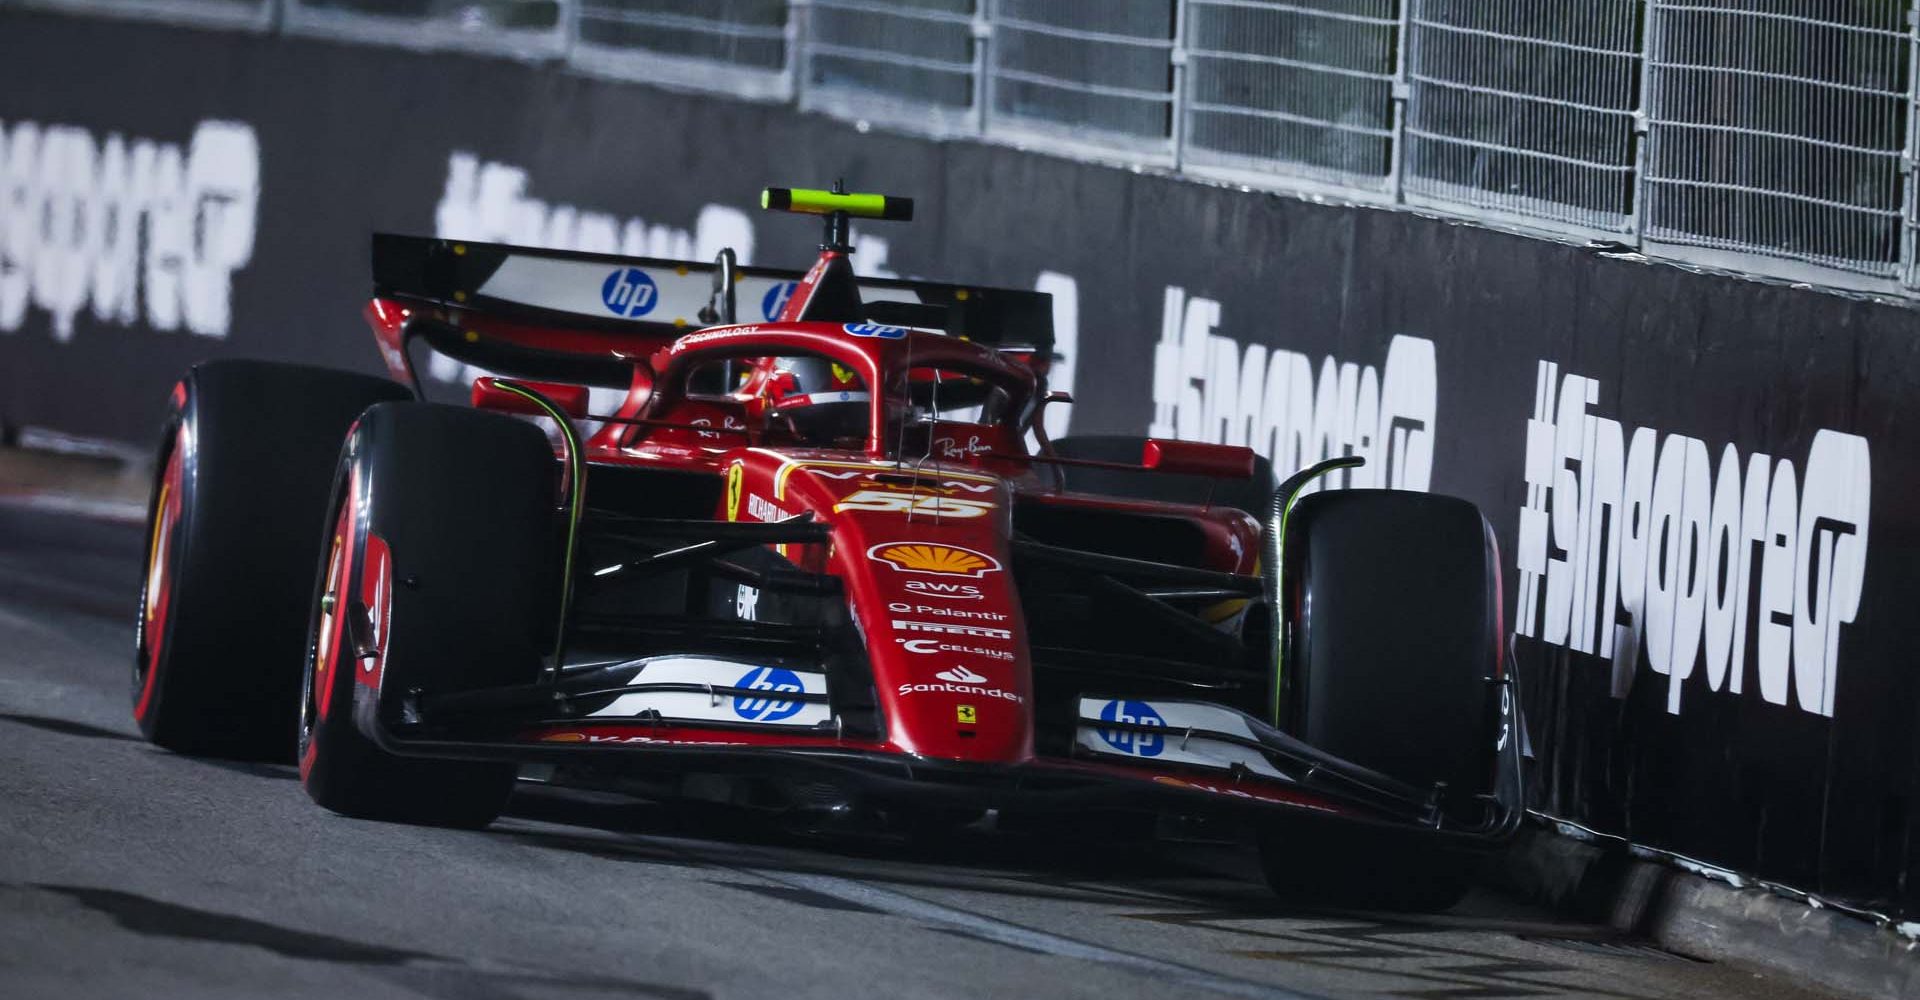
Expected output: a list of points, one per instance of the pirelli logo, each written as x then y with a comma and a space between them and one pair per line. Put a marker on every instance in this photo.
947, 628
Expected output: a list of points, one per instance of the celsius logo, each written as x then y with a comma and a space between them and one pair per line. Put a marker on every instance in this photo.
628, 293
761, 709
961, 675
1206, 388
928, 646
1133, 741
775, 301
1722, 568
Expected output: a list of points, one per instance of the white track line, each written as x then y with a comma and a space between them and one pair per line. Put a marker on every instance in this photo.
1019, 936
119, 511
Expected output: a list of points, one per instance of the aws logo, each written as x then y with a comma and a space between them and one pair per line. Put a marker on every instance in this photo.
944, 591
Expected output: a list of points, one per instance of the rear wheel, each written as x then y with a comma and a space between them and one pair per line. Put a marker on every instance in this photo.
241, 487
440, 576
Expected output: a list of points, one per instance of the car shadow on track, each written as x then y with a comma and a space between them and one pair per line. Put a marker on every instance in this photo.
440, 977
1064, 863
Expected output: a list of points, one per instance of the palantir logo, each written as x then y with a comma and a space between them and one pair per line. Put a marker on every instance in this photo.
775, 301
1133, 741
629, 293
761, 709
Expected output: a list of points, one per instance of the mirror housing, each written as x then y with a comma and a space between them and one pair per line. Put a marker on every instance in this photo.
1221, 461
489, 394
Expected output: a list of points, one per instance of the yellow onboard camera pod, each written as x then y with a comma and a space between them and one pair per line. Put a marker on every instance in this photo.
809, 201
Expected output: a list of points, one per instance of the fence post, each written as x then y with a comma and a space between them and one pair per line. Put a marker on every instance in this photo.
1642, 132
1909, 158
1402, 90
798, 12
982, 65
1177, 59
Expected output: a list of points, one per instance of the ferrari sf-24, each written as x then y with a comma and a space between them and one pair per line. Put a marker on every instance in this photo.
822, 557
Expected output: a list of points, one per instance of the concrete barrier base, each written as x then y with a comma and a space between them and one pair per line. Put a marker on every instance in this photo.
1694, 915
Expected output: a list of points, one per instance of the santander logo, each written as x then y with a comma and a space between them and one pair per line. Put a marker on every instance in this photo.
961, 675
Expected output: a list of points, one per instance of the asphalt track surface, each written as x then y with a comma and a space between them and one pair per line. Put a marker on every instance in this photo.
127, 871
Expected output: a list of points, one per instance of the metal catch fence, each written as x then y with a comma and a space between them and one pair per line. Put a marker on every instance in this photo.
1524, 107
915, 63
1777, 127
1098, 74
1293, 87
1771, 136
689, 43
513, 27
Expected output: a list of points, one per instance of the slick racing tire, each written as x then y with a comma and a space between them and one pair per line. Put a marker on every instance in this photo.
1394, 634
1251, 495
441, 575
232, 534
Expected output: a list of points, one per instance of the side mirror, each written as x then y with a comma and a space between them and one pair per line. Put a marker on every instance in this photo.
719, 310
1222, 461
491, 393
1057, 396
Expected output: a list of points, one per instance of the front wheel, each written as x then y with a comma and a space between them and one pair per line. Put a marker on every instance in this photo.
440, 576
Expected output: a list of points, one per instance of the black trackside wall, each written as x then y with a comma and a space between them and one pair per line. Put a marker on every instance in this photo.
1703, 488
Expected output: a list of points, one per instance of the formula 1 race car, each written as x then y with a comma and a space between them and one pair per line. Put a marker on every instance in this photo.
825, 559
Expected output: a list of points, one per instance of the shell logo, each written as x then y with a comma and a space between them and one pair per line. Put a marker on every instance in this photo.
939, 560
564, 738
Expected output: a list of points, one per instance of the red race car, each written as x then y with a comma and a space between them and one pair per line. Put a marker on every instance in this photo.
823, 560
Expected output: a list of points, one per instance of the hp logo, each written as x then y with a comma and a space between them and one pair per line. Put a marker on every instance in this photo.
875, 330
1132, 741
628, 293
762, 709
776, 298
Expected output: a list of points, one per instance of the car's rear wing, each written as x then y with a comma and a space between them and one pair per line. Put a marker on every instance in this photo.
666, 298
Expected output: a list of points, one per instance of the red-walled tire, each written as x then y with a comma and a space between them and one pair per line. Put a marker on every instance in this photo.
440, 575
241, 485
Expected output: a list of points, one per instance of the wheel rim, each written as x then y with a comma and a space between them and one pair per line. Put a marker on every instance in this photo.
329, 627
156, 592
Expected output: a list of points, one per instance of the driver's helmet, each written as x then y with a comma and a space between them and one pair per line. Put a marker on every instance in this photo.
824, 402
